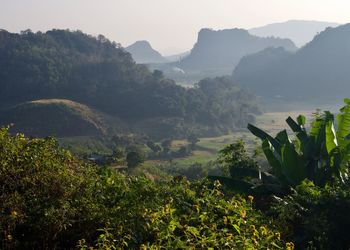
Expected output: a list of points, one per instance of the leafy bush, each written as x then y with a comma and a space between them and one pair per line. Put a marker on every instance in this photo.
314, 217
45, 193
191, 216
235, 156
52, 201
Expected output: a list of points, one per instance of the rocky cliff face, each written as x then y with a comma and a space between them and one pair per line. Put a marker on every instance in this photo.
224, 48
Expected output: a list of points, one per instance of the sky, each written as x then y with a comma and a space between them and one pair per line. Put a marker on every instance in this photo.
171, 26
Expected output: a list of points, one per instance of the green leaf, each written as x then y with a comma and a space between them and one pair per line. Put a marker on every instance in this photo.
295, 127
306, 144
282, 137
343, 124
237, 228
293, 166
331, 139
263, 135
273, 158
301, 120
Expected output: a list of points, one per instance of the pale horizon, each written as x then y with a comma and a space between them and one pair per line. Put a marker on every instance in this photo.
170, 26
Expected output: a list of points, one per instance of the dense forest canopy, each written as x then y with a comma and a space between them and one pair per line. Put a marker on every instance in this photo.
99, 73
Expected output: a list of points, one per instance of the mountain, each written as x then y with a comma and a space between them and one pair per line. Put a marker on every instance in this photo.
223, 49
142, 52
299, 31
98, 73
317, 72
177, 57
59, 117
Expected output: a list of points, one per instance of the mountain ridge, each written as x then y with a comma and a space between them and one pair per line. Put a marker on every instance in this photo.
313, 73
299, 31
142, 52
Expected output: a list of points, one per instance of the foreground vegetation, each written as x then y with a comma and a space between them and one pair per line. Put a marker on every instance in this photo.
44, 187
299, 200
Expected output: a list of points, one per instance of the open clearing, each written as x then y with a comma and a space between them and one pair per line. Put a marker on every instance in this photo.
207, 148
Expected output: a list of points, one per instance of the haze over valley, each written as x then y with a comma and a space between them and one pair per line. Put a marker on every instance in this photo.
189, 124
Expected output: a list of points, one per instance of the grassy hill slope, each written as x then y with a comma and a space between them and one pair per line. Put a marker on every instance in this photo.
59, 117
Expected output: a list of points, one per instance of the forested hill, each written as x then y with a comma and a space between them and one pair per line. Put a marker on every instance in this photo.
102, 75
224, 48
317, 72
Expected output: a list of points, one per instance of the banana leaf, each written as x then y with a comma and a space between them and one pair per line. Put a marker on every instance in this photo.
263, 136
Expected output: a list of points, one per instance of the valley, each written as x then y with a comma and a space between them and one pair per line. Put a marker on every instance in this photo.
174, 125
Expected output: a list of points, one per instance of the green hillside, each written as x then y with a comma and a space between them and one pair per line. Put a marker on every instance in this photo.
63, 64
59, 117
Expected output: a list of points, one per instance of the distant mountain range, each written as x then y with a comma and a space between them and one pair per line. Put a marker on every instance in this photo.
142, 52
317, 72
224, 48
299, 31
217, 52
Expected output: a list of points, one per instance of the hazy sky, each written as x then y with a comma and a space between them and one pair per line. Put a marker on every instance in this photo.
170, 25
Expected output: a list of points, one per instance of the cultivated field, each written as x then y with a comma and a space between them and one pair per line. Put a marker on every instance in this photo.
207, 148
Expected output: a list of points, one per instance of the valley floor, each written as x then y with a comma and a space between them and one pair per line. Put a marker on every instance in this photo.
207, 148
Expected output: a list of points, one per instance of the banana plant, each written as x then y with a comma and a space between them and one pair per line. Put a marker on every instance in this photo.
321, 155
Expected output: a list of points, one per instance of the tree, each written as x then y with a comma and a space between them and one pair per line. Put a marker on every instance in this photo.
154, 147
192, 138
134, 159
119, 155
321, 155
235, 156
166, 145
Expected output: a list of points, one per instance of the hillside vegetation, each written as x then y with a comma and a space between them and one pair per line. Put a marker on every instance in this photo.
95, 72
83, 207
299, 201
317, 73
59, 117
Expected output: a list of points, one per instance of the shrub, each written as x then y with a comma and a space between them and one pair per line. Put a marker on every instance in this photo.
315, 217
49, 200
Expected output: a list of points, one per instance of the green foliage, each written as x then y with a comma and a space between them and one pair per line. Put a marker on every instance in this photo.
134, 158
193, 217
100, 74
42, 186
192, 138
235, 156
166, 145
322, 155
51, 201
315, 217
244, 172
